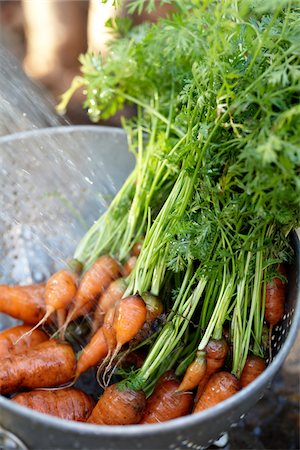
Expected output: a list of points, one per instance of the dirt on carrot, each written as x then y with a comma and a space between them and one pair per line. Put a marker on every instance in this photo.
69, 403
10, 343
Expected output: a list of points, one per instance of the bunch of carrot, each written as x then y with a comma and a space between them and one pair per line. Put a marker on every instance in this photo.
183, 278
41, 370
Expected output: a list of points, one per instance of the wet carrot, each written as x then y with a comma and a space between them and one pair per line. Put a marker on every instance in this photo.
275, 299
219, 387
93, 353
9, 338
194, 373
95, 280
216, 352
108, 299
118, 407
59, 292
129, 318
129, 266
253, 367
69, 403
48, 364
136, 249
167, 403
25, 303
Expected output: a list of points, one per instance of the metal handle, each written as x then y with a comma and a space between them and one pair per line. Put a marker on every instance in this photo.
9, 441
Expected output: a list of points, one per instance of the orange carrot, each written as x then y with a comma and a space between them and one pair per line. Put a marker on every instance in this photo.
118, 407
220, 386
25, 303
95, 280
154, 308
275, 299
59, 292
167, 403
194, 373
216, 352
93, 353
48, 364
253, 367
129, 266
69, 403
8, 338
129, 317
108, 299
136, 249
108, 329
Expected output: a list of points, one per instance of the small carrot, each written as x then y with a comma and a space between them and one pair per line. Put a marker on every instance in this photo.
69, 403
108, 299
167, 403
154, 308
48, 364
194, 373
216, 352
25, 303
253, 367
219, 387
274, 303
118, 407
93, 353
136, 249
129, 266
9, 338
129, 318
59, 292
97, 278
275, 299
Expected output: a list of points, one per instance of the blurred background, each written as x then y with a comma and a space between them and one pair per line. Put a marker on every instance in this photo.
47, 37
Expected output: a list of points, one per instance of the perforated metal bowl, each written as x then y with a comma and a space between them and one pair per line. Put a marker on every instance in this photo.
49, 194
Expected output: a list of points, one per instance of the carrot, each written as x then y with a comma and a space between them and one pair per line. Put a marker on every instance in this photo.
129, 317
216, 352
220, 386
48, 364
274, 303
275, 299
118, 407
253, 367
69, 403
93, 353
154, 306
108, 329
25, 303
97, 278
129, 266
59, 292
108, 299
8, 338
194, 373
167, 403
123, 324
136, 249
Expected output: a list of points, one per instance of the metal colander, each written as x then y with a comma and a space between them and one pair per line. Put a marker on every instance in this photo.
49, 196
